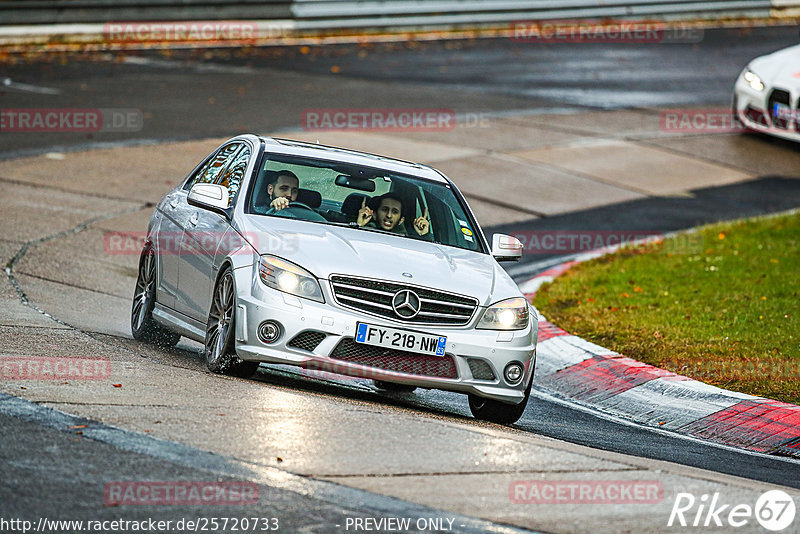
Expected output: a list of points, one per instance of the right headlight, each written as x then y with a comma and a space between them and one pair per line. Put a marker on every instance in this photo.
752, 79
510, 314
290, 278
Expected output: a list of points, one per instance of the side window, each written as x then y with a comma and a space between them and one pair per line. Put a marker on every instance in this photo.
233, 174
211, 171
196, 176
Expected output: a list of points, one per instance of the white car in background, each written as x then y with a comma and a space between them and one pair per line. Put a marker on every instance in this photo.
766, 97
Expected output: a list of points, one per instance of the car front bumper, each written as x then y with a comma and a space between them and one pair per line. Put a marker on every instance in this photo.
257, 303
752, 108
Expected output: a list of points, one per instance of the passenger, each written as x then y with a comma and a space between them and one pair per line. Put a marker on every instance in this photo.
389, 216
283, 190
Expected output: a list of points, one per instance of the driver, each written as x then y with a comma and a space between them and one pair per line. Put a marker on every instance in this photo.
389, 216
283, 190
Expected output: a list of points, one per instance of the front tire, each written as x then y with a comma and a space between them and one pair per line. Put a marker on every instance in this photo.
496, 411
219, 344
143, 326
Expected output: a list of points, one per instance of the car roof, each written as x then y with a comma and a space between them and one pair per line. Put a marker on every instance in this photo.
314, 150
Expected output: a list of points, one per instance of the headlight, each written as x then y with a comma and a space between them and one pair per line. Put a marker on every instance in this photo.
753, 80
287, 277
511, 314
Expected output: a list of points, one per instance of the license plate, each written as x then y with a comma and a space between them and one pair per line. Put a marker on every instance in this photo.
393, 338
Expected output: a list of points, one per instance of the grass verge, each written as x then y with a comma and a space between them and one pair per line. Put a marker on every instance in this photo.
720, 306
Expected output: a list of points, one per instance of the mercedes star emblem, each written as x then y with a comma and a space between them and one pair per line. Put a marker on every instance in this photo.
406, 304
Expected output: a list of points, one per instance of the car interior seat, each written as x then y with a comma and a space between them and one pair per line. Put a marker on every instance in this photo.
352, 204
311, 198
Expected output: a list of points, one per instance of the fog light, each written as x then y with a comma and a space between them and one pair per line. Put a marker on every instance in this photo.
269, 332
513, 372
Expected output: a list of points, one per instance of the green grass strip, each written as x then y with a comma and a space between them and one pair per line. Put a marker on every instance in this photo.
721, 305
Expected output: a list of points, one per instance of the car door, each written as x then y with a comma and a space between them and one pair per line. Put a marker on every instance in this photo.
204, 232
166, 241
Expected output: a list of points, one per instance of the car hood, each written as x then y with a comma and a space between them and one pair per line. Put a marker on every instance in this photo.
781, 68
326, 249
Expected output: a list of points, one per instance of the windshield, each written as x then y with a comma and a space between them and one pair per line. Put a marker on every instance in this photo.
363, 198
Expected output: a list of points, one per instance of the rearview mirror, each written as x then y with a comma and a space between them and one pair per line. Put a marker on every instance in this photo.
506, 248
210, 196
351, 182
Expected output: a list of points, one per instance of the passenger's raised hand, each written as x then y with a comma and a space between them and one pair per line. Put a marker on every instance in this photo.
421, 224
364, 214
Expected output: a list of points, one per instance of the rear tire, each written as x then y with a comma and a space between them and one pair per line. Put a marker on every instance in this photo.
143, 326
393, 387
219, 344
498, 412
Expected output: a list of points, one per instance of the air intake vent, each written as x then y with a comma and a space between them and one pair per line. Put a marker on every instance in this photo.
395, 360
308, 340
480, 369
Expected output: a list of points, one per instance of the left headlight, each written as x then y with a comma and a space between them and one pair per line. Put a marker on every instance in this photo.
290, 278
753, 80
510, 314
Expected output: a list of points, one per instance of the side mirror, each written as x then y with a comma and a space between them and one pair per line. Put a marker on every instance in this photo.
210, 196
506, 248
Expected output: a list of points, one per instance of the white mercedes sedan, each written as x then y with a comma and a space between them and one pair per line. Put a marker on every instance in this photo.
283, 252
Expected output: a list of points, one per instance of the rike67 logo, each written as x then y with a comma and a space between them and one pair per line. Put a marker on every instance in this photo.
774, 511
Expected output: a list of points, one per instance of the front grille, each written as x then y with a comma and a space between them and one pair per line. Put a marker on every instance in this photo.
375, 297
308, 340
395, 360
778, 96
480, 369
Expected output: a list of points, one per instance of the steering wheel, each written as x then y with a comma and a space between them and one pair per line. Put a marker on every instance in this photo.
296, 204
301, 211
